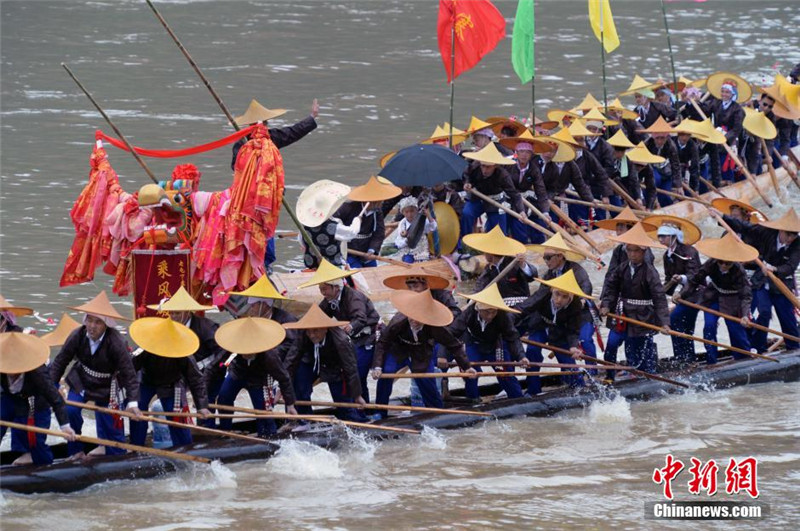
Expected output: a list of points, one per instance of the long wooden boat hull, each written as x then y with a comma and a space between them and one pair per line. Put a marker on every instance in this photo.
69, 477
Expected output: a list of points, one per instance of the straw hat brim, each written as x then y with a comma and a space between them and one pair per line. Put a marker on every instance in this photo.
20, 353
421, 307
557, 115
715, 81
539, 146
724, 204
570, 285
637, 236
250, 335
490, 155
486, 242
756, 123
181, 301
164, 337
315, 318
547, 125
257, 113
319, 201
399, 281
261, 289
691, 232
330, 272
727, 250
374, 190
572, 256
611, 224
782, 108
101, 306
493, 299
499, 122
789, 222
19, 311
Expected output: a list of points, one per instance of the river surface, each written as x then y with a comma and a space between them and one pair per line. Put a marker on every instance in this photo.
376, 69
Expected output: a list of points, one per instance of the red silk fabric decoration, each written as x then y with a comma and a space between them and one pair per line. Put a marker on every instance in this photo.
174, 153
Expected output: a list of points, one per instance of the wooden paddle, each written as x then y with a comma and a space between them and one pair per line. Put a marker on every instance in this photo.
736, 159
770, 168
681, 197
736, 319
624, 194
261, 415
370, 256
394, 408
687, 336
105, 442
606, 364
395, 376
601, 206
574, 226
325, 419
713, 188
510, 212
554, 227
791, 171
147, 418
775, 280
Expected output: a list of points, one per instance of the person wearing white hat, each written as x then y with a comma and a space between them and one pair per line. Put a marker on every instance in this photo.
316, 208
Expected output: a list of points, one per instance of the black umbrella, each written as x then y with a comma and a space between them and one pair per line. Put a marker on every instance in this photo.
424, 165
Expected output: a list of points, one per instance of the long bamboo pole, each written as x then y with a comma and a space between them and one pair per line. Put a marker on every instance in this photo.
309, 242
510, 212
105, 442
602, 206
736, 159
713, 188
770, 168
691, 337
624, 195
694, 195
604, 363
574, 226
396, 376
731, 318
371, 256
791, 171
110, 123
387, 407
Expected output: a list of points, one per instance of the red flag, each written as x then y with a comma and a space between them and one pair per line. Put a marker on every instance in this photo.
479, 26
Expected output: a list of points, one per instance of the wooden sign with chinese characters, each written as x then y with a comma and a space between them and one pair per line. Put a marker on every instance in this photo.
156, 276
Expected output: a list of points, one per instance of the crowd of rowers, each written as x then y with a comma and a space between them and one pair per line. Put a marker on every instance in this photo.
342, 341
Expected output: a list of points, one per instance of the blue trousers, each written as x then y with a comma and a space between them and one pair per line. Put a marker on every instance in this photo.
227, 395
524, 233
587, 341
180, 436
473, 209
364, 355
534, 354
665, 183
40, 452
704, 172
269, 255
427, 386
357, 262
613, 342
214, 385
765, 301
509, 384
103, 421
304, 385
736, 331
683, 319
641, 353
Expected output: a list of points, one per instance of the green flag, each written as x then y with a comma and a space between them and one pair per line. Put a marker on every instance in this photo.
522, 56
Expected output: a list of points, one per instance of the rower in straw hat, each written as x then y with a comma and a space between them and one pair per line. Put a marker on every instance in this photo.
354, 308
594, 158
641, 170
500, 251
419, 279
554, 315
325, 352
365, 202
28, 392
488, 331
167, 362
667, 174
721, 284
407, 341
257, 343
635, 290
102, 372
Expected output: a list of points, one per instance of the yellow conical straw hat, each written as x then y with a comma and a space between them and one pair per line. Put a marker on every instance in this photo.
588, 102
659, 126
627, 114
641, 155
626, 216
262, 289
539, 145
374, 190
257, 113
443, 133
250, 335
500, 122
490, 155
556, 243
568, 283
557, 115
164, 337
715, 81
564, 151
314, 318
789, 91
433, 279
494, 242
577, 129
619, 139
421, 307
706, 128
728, 248
691, 232
596, 115
724, 204
180, 301
782, 107
756, 123
59, 336
19, 311
490, 296
326, 272
101, 306
637, 236
386, 158
637, 85
21, 353
564, 135
789, 222
692, 127
476, 124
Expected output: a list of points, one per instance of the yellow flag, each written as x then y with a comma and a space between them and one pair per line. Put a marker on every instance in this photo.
600, 17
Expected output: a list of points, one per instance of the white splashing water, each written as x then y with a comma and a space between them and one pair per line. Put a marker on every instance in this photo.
361, 446
614, 411
202, 477
432, 438
302, 460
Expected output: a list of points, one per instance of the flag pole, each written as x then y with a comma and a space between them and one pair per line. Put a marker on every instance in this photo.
669, 44
603, 57
533, 74
452, 76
